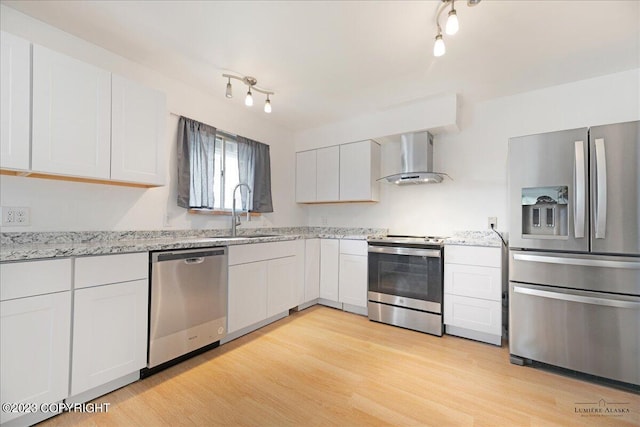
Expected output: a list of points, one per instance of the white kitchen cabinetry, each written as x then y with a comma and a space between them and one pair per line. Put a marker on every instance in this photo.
311, 288
328, 174
71, 116
15, 101
137, 133
306, 167
35, 323
110, 317
61, 116
329, 269
340, 173
353, 275
359, 171
247, 295
473, 292
262, 285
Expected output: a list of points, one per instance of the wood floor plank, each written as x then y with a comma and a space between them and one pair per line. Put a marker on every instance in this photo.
325, 367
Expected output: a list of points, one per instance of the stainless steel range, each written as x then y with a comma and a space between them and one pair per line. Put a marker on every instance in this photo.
406, 282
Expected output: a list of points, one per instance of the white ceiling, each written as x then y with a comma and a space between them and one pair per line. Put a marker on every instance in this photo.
331, 60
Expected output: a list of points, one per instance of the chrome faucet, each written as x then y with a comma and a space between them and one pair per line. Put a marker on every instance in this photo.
235, 219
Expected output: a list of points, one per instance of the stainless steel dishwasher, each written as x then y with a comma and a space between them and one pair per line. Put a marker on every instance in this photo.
188, 309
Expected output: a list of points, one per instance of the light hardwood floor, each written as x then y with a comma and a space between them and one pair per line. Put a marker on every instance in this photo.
324, 367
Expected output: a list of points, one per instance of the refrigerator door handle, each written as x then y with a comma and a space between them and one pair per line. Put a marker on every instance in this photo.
577, 298
580, 200
630, 265
601, 189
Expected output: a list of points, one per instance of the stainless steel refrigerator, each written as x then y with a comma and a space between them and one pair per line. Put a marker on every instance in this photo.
574, 258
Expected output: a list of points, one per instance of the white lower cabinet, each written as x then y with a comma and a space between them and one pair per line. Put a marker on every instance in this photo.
311, 289
329, 269
473, 292
247, 295
110, 318
109, 333
34, 352
262, 285
281, 285
352, 282
35, 333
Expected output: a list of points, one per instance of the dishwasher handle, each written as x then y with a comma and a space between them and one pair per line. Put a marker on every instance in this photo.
191, 256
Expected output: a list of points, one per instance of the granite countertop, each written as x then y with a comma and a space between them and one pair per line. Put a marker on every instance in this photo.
28, 246
475, 238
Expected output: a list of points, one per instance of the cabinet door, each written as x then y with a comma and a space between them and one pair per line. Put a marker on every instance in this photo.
306, 176
109, 333
34, 351
329, 264
473, 281
71, 116
328, 174
247, 295
359, 170
311, 270
353, 280
281, 280
138, 116
15, 98
473, 314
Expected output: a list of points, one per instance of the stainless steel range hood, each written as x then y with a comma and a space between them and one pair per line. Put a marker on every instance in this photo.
416, 165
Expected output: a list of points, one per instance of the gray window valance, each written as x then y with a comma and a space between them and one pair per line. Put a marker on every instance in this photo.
196, 154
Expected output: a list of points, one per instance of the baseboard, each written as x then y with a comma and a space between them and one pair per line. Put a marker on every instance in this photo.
474, 335
103, 389
330, 303
244, 331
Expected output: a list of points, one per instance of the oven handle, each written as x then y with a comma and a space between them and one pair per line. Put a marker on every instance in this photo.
394, 250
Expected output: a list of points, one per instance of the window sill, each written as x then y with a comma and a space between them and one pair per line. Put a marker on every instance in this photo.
223, 212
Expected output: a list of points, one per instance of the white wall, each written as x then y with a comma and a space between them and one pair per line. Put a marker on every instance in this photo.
476, 157
62, 206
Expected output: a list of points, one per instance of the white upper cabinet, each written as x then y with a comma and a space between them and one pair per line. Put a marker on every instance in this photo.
306, 176
328, 174
15, 97
359, 170
340, 173
71, 116
137, 134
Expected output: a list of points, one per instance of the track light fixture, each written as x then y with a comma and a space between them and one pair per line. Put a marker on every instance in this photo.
451, 27
251, 82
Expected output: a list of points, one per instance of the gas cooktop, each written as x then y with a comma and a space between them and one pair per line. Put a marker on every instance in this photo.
399, 240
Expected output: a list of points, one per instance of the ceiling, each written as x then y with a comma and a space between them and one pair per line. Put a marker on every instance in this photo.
331, 60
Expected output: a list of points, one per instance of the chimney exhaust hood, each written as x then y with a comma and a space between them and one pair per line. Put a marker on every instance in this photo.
416, 153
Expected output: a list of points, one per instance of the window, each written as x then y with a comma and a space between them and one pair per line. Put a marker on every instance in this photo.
212, 163
226, 175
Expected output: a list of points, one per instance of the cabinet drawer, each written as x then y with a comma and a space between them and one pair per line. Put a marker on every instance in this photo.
473, 255
474, 314
353, 247
102, 270
242, 254
29, 278
473, 281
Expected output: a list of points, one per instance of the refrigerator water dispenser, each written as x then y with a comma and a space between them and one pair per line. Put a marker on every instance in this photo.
544, 212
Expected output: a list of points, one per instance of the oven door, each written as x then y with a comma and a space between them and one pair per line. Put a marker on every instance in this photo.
407, 277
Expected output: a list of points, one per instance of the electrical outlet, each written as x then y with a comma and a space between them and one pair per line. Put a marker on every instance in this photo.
16, 216
493, 220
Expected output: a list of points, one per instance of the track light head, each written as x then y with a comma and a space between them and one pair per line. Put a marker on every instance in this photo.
267, 105
229, 93
248, 100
